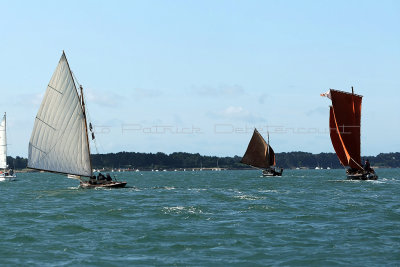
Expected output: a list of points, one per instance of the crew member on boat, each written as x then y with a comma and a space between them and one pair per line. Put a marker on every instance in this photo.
93, 180
101, 177
367, 166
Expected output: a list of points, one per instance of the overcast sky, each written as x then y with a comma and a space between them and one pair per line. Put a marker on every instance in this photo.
197, 76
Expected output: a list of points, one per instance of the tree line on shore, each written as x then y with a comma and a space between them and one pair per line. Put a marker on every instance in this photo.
181, 160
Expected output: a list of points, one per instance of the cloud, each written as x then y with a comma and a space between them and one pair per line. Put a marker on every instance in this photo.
236, 113
318, 111
31, 99
222, 90
146, 93
103, 98
263, 98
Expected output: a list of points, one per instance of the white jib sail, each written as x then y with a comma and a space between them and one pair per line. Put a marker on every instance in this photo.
3, 144
59, 138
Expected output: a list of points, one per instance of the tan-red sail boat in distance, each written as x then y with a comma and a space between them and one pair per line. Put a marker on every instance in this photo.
345, 132
259, 154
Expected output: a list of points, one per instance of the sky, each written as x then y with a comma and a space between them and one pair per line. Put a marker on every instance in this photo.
198, 76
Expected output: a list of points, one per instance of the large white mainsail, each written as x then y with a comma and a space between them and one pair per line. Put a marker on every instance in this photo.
3, 144
59, 141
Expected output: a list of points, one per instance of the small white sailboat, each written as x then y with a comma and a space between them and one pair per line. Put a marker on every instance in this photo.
59, 142
5, 174
217, 168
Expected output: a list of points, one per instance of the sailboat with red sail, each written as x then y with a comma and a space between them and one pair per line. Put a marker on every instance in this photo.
259, 154
345, 133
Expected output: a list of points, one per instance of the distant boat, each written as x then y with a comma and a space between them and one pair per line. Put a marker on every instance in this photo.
59, 142
5, 174
259, 154
217, 168
345, 132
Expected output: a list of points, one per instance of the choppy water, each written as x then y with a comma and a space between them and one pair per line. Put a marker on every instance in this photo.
227, 218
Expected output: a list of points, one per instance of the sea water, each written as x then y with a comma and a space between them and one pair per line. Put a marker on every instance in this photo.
202, 218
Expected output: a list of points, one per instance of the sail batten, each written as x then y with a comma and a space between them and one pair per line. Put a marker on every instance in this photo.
258, 154
58, 142
54, 89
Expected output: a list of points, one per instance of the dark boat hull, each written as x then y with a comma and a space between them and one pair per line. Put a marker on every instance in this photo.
362, 176
105, 185
271, 172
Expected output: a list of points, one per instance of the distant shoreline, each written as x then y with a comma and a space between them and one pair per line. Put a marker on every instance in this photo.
182, 160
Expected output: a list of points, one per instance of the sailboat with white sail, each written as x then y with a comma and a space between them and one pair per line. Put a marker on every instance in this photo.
5, 173
259, 154
59, 142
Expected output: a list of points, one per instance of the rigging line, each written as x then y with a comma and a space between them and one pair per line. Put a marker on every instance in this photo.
257, 168
75, 79
88, 117
86, 104
95, 145
93, 132
357, 164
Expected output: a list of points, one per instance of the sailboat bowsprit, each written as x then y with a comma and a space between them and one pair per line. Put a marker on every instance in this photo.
59, 142
259, 154
345, 133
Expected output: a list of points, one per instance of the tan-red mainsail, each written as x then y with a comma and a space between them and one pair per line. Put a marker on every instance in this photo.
335, 138
259, 154
271, 157
345, 125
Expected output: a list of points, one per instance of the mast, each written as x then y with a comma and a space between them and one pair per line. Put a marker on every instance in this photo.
86, 131
354, 108
360, 165
268, 148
